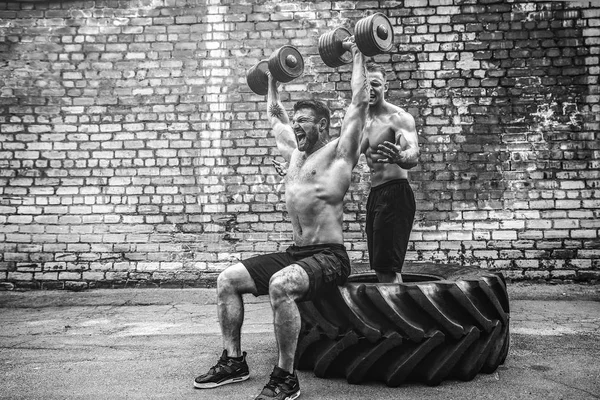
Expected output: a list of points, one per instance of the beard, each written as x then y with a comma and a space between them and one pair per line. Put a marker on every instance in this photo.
306, 140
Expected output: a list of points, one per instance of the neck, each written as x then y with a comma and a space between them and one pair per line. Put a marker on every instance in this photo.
321, 142
376, 108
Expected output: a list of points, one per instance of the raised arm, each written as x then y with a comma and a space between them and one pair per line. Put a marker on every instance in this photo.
405, 152
280, 121
356, 115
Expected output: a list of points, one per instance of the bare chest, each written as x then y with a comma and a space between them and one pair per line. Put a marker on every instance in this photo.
378, 131
303, 170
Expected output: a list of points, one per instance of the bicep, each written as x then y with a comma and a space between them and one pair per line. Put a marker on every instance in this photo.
406, 132
349, 144
284, 137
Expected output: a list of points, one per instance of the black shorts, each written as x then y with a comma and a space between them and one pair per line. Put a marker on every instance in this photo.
327, 265
390, 214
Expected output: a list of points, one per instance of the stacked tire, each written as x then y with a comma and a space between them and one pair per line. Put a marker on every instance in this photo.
442, 322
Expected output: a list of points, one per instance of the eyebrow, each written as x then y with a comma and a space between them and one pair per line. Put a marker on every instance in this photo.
303, 117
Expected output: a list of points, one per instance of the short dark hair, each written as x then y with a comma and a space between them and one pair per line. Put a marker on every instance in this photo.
320, 109
374, 67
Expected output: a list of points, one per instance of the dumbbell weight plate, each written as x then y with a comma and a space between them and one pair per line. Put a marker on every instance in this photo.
286, 63
374, 34
257, 78
331, 50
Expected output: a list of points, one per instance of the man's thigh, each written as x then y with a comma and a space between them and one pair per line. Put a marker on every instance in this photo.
392, 224
386, 239
292, 280
261, 268
325, 271
237, 276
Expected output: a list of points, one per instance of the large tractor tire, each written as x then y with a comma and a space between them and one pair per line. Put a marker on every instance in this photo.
442, 322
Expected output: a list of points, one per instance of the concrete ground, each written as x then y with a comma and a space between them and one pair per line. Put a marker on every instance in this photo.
151, 343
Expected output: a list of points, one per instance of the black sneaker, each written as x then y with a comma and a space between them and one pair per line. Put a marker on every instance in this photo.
281, 386
227, 370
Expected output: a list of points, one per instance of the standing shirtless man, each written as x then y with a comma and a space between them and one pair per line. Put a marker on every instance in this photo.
391, 147
318, 177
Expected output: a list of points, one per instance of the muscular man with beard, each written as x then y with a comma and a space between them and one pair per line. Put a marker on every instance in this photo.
317, 179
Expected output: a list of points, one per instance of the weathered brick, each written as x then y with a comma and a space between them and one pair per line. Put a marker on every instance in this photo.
19, 276
144, 133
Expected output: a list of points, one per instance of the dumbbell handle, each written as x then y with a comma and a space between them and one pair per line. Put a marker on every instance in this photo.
382, 33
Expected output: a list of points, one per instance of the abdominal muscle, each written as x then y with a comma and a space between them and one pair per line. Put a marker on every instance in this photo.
383, 172
314, 219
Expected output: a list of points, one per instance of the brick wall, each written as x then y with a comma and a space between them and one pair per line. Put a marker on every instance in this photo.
133, 153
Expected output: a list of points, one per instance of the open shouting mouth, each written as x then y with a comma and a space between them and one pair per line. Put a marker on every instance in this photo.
300, 137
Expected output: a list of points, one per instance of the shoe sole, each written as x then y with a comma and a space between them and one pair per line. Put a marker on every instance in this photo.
294, 396
210, 385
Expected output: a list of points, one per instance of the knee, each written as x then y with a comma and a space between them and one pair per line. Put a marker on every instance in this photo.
223, 282
226, 281
279, 288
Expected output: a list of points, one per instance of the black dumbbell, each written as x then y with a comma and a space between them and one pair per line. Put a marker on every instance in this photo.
285, 64
373, 35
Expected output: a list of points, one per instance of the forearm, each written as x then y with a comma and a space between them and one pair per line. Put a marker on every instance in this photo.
409, 158
275, 109
356, 114
279, 120
359, 81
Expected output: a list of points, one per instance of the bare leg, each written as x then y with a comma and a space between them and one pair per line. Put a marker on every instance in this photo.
388, 277
231, 284
285, 288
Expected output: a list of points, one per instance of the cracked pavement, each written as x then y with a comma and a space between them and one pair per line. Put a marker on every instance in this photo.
151, 343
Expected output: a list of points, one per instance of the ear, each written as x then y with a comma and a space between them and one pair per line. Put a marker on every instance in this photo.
386, 87
322, 124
